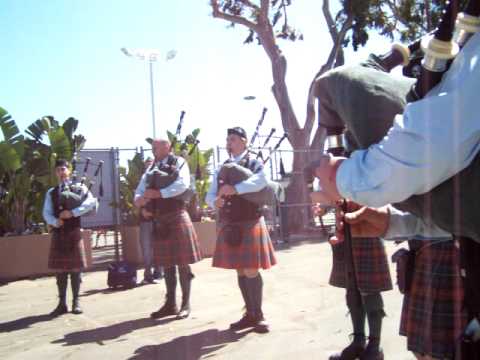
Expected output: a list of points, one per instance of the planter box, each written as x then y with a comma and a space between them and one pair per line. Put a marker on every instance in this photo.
132, 249
27, 255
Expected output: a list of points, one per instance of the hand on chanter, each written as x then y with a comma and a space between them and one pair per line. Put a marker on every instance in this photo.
152, 194
219, 202
146, 214
226, 190
65, 214
326, 173
321, 198
364, 221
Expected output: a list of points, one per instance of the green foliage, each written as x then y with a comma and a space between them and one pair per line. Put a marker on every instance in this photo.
408, 20
129, 179
277, 13
26, 166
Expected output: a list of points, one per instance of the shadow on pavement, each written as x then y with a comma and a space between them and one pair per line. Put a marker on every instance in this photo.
23, 323
191, 347
110, 332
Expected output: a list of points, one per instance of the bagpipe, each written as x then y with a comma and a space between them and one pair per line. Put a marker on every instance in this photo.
232, 173
367, 127
157, 179
71, 197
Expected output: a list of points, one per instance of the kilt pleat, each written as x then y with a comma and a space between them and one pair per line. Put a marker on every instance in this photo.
67, 257
371, 265
432, 317
180, 246
254, 252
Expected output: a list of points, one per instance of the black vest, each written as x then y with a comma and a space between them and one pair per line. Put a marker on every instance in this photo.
68, 224
236, 208
163, 206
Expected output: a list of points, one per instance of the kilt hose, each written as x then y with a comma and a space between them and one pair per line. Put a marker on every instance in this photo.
432, 315
371, 265
255, 251
67, 250
179, 244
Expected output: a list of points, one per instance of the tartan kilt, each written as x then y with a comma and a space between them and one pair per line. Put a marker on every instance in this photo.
71, 257
180, 246
432, 317
371, 265
254, 252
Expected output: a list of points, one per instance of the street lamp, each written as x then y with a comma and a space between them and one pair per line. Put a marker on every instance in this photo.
150, 55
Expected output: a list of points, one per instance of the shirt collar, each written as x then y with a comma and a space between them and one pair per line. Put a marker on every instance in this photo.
239, 157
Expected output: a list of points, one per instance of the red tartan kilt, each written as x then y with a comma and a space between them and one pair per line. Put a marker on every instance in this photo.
371, 265
432, 316
180, 246
73, 258
254, 252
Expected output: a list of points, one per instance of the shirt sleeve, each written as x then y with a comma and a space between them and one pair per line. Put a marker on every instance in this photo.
48, 210
181, 184
212, 191
405, 226
140, 190
254, 183
435, 138
87, 205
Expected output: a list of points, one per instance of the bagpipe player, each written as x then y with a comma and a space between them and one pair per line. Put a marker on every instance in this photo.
62, 210
243, 241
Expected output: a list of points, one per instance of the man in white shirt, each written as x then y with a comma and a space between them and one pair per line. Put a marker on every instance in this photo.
175, 243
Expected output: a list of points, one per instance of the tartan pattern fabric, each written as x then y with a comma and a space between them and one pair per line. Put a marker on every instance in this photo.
432, 317
71, 257
180, 246
371, 265
254, 252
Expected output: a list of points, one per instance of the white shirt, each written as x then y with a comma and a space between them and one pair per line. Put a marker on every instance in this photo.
48, 214
435, 138
179, 186
254, 183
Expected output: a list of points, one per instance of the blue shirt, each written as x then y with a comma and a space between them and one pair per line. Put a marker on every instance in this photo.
254, 183
434, 139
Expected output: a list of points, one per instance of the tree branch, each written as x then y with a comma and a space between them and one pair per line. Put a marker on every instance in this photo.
217, 13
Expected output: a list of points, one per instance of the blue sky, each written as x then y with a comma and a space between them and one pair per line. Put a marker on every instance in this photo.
63, 58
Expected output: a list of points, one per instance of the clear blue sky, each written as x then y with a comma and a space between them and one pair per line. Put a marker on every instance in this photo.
63, 58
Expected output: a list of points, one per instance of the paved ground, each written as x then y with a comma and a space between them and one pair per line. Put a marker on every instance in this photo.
307, 316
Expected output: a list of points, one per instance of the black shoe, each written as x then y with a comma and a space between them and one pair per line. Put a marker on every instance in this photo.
372, 353
247, 321
59, 310
184, 312
261, 326
165, 310
76, 309
351, 352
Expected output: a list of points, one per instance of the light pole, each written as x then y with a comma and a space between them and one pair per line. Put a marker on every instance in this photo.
150, 55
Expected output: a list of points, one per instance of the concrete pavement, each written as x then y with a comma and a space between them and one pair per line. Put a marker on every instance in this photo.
308, 317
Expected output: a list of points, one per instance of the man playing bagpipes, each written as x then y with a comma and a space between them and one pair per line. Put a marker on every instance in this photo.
243, 241
435, 137
428, 163
64, 205
175, 242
